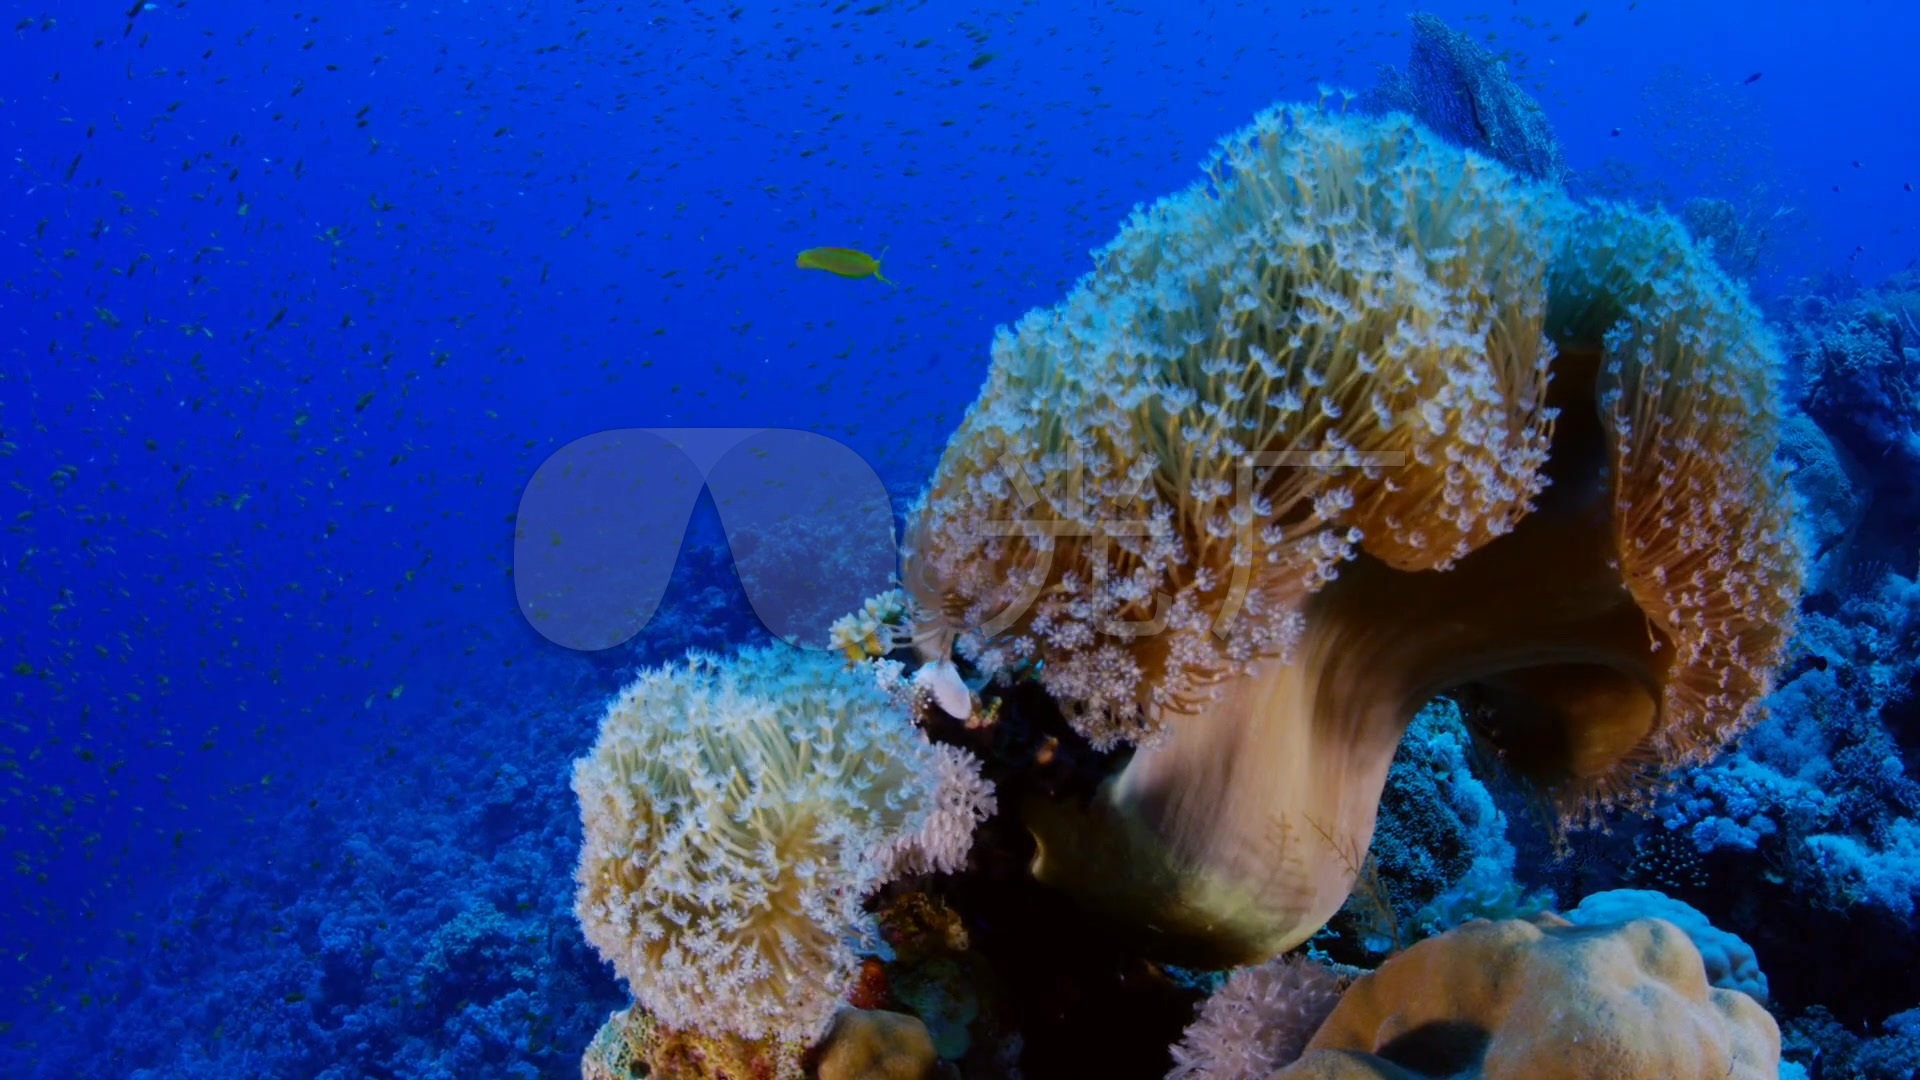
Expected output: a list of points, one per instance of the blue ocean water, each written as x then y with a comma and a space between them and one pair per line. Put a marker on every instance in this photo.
294, 303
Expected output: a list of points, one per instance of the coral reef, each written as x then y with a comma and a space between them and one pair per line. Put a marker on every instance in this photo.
441, 945
392, 920
1811, 815
1835, 1050
1440, 853
1043, 986
1739, 239
736, 814
1464, 94
1857, 362
1436, 820
1543, 998
1833, 491
1300, 412
1816, 811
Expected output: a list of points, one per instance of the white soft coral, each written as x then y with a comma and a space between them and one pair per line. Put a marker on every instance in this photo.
736, 814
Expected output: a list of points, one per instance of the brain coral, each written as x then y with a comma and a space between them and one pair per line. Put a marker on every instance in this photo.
1359, 419
1543, 999
1729, 961
736, 814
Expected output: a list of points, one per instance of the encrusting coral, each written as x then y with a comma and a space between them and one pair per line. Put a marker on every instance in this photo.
1360, 419
736, 814
633, 1046
861, 1045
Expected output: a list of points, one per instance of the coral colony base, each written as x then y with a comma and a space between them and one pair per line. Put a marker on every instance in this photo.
1360, 421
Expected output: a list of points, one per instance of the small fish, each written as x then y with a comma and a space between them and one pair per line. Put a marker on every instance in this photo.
1582, 17
1751, 79
845, 262
1616, 133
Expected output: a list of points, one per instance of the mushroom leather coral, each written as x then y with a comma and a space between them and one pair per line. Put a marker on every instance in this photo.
735, 816
1542, 999
1361, 419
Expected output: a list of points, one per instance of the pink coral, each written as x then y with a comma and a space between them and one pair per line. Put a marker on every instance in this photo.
1256, 1023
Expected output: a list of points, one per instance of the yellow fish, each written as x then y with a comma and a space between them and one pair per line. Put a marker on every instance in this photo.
846, 262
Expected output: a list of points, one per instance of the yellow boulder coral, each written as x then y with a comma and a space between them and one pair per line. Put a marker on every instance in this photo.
1544, 1000
876, 1045
1360, 419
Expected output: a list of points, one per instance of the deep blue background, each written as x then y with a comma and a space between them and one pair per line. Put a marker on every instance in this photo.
292, 304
